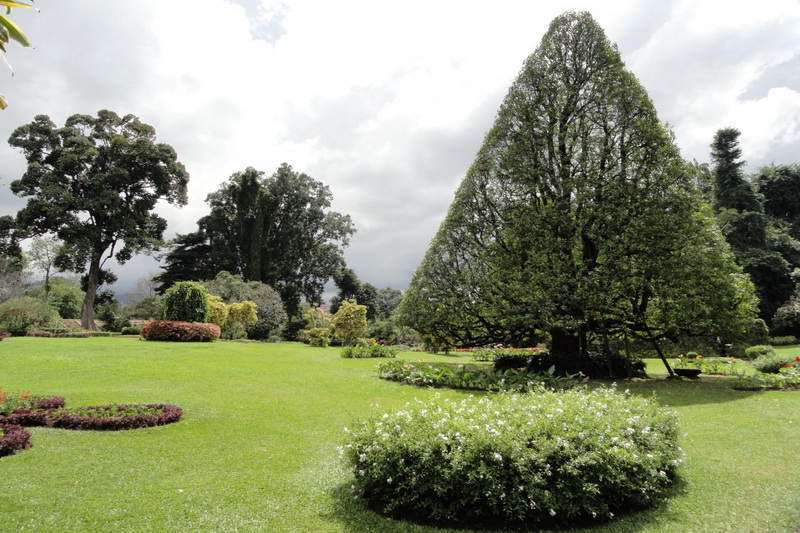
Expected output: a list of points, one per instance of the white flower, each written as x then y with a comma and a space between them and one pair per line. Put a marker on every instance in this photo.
389, 481
552, 512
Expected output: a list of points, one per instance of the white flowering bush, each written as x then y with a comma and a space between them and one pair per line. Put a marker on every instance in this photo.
542, 458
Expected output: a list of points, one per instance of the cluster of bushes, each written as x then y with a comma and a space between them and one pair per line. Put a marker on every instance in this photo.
169, 330
131, 330
784, 340
538, 460
474, 378
372, 350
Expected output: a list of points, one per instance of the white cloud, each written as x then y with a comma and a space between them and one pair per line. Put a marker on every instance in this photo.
386, 103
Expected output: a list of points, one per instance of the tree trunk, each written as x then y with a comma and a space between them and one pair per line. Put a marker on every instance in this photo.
566, 342
87, 309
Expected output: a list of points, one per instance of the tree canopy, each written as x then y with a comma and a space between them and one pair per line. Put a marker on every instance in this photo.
755, 240
578, 218
94, 184
278, 230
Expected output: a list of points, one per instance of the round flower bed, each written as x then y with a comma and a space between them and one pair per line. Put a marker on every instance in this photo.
114, 417
13, 438
540, 459
35, 412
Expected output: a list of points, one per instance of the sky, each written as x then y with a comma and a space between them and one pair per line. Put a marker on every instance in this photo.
385, 102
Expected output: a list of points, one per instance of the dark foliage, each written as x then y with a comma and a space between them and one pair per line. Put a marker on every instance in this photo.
593, 364
100, 421
14, 438
168, 330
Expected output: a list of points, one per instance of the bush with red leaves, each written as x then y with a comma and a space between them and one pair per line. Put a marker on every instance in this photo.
114, 417
36, 414
170, 330
13, 438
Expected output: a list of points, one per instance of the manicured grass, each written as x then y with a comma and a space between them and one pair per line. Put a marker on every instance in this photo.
256, 450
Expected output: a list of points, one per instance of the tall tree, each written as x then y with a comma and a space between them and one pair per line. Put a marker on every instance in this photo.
578, 217
278, 230
352, 288
747, 228
94, 183
779, 186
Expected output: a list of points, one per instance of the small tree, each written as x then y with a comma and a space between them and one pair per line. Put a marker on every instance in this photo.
240, 315
186, 301
218, 310
318, 327
42, 256
350, 322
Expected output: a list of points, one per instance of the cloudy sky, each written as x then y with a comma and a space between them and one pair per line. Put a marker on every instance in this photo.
385, 102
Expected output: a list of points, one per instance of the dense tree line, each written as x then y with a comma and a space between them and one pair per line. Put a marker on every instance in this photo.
276, 229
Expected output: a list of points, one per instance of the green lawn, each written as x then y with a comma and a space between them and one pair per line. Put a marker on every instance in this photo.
256, 450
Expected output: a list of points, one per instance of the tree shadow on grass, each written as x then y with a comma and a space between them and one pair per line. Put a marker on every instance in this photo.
683, 392
356, 517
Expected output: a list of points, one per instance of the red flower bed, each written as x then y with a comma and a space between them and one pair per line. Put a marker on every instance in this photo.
36, 414
170, 330
14, 438
106, 417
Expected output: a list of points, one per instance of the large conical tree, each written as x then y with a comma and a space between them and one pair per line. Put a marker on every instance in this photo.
578, 218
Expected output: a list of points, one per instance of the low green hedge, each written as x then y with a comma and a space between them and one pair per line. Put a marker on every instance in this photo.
365, 352
540, 459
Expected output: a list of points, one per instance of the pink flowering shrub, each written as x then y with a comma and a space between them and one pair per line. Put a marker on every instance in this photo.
170, 330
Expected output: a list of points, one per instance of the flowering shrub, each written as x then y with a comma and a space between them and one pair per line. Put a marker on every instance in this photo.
13, 438
48, 334
168, 330
539, 459
114, 417
10, 402
373, 350
25, 409
771, 364
473, 378
4, 335
787, 378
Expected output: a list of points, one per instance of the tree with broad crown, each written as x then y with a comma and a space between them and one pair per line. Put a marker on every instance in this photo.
578, 218
277, 230
94, 183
